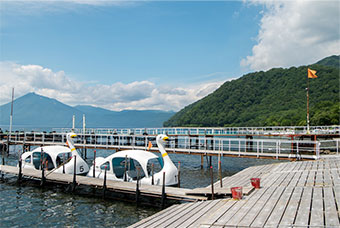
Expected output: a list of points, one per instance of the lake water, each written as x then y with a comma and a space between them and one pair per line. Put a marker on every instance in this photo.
28, 205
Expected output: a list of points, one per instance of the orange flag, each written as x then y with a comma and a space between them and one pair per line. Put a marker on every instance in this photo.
311, 73
150, 145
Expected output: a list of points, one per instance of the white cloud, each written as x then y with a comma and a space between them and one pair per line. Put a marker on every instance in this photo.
138, 95
294, 33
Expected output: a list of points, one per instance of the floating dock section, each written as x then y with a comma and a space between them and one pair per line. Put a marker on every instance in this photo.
294, 194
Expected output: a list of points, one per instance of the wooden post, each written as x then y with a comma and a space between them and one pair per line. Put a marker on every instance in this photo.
125, 169
74, 174
64, 163
20, 170
212, 182
202, 161
152, 174
179, 175
163, 192
94, 163
42, 162
3, 154
137, 188
104, 184
220, 173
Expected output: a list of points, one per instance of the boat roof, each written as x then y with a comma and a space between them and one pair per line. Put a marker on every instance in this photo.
139, 155
53, 150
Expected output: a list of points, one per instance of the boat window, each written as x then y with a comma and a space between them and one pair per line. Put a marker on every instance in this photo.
118, 165
157, 165
105, 165
132, 167
63, 158
37, 160
28, 159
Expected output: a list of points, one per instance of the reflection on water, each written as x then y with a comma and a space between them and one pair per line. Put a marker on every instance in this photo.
32, 206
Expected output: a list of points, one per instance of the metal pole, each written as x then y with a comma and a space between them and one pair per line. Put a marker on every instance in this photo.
307, 105
73, 122
11, 117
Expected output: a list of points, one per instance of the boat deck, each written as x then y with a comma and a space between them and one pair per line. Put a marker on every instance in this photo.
295, 194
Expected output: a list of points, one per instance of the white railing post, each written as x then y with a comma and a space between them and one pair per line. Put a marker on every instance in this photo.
317, 150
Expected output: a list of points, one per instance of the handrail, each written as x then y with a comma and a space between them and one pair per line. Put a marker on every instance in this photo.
186, 143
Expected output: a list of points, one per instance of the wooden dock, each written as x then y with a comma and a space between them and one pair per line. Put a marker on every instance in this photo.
123, 188
294, 194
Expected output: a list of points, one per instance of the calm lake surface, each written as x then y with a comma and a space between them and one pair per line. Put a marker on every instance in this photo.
28, 205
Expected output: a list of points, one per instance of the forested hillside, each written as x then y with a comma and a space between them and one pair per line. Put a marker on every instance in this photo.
273, 98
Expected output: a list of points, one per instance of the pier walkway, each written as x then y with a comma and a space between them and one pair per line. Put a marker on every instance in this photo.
123, 188
294, 194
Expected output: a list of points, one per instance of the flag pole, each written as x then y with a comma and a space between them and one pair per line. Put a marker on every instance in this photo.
308, 105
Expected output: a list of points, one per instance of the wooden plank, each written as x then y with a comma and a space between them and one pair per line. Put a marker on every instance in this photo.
331, 213
311, 178
193, 216
295, 179
242, 214
303, 213
157, 215
336, 190
327, 178
302, 180
231, 212
319, 178
278, 211
317, 218
213, 216
335, 177
258, 216
156, 221
179, 218
292, 206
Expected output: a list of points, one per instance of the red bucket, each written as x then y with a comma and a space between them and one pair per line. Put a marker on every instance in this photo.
236, 192
255, 182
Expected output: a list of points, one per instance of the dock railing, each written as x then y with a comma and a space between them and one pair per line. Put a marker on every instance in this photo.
275, 130
203, 145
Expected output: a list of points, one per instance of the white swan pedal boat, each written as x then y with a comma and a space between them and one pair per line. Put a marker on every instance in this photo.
130, 165
58, 159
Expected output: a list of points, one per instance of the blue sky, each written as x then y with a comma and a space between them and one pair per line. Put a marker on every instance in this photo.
180, 50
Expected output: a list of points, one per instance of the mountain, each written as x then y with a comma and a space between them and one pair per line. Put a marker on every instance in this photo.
272, 98
100, 117
33, 111
332, 61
